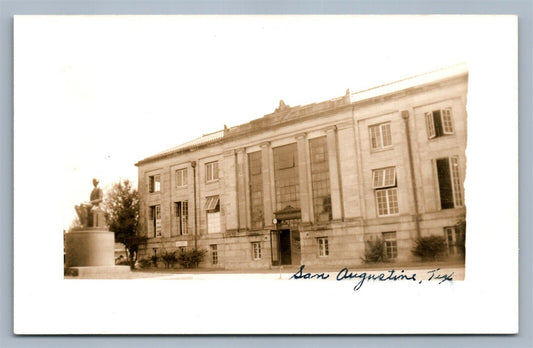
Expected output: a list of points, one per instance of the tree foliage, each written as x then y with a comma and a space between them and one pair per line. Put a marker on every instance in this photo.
122, 215
75, 224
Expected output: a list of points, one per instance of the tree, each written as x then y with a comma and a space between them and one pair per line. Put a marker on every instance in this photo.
75, 224
122, 215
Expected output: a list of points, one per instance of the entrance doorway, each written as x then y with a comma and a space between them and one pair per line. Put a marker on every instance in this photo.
281, 247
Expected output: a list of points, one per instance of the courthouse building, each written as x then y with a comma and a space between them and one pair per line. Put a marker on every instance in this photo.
310, 184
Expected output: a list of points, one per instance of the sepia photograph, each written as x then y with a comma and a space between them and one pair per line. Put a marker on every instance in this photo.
242, 165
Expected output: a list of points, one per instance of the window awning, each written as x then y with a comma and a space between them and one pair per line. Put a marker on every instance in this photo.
211, 203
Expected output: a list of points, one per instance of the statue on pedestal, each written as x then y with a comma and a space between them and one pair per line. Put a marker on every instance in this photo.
90, 214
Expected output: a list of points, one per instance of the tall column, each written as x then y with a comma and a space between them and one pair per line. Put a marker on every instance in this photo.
405, 117
229, 191
334, 180
247, 202
241, 188
303, 168
349, 170
265, 172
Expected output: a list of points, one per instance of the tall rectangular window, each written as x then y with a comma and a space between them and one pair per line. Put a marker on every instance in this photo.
320, 179
256, 250
384, 183
154, 183
154, 220
212, 207
450, 185
181, 213
323, 247
211, 171
391, 247
214, 254
256, 189
286, 177
380, 136
181, 177
439, 123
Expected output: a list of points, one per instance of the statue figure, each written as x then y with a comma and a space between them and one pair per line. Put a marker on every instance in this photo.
90, 214
282, 106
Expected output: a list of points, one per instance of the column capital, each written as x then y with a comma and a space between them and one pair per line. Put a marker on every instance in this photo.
345, 124
228, 153
301, 136
264, 144
330, 129
240, 150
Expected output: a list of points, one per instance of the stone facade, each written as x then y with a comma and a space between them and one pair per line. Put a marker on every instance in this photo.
310, 184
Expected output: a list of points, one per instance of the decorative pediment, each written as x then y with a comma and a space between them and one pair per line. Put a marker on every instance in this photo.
288, 213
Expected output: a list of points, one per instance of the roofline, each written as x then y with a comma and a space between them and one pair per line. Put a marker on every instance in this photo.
395, 87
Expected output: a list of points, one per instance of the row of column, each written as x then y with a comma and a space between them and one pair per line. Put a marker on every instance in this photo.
238, 205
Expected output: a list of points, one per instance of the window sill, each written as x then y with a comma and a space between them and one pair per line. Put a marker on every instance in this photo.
383, 149
445, 136
389, 215
212, 181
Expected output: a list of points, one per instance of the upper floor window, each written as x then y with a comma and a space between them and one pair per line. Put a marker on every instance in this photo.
286, 179
384, 183
320, 179
181, 177
154, 220
439, 123
212, 206
450, 185
256, 190
211, 171
181, 213
154, 183
380, 136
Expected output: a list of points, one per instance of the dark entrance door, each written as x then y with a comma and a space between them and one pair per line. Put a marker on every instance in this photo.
285, 246
281, 247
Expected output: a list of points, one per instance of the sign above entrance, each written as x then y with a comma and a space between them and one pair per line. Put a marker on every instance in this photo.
181, 243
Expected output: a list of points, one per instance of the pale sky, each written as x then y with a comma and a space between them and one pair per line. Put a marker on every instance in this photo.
101, 93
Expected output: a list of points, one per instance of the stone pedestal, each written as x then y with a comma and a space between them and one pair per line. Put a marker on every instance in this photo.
90, 246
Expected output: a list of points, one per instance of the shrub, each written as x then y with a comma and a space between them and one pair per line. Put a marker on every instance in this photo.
429, 248
144, 263
155, 260
169, 258
374, 251
123, 262
191, 258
